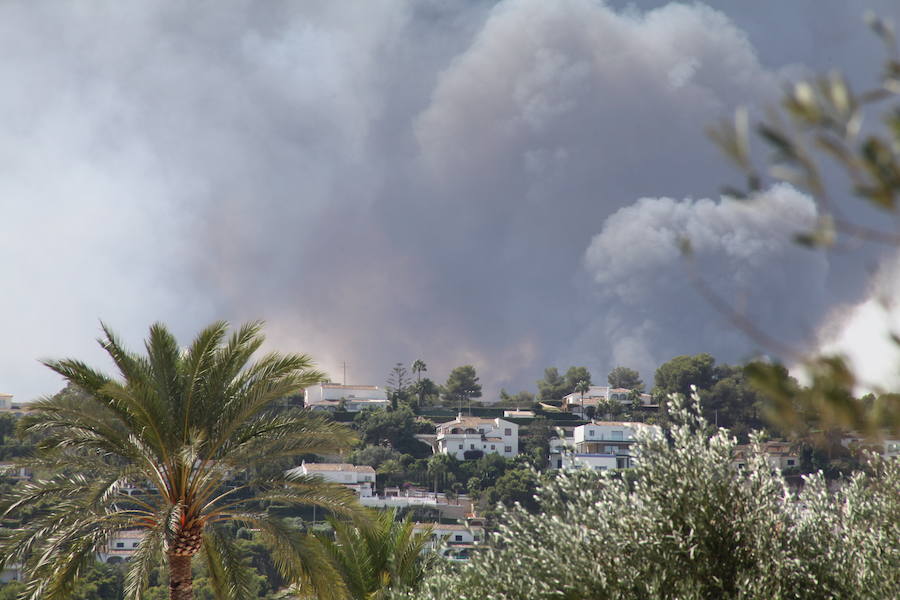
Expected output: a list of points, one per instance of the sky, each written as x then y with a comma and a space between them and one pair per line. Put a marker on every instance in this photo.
502, 184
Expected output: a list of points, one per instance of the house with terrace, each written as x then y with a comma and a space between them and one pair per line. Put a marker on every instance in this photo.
600, 445
473, 437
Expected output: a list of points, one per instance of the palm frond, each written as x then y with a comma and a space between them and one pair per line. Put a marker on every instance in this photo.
286, 434
298, 556
147, 557
229, 576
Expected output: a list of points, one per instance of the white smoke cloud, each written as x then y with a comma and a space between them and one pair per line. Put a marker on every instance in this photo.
862, 332
743, 251
409, 179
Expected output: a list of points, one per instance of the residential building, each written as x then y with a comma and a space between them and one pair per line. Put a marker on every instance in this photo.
360, 479
519, 414
475, 435
779, 454
451, 534
122, 546
598, 394
8, 406
886, 446
15, 472
600, 445
352, 398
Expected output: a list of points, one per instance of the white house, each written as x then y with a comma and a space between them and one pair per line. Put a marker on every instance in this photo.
886, 446
469, 434
602, 393
360, 479
8, 406
122, 545
352, 398
600, 445
779, 454
450, 534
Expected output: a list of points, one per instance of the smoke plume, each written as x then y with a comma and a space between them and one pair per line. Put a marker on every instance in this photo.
397, 179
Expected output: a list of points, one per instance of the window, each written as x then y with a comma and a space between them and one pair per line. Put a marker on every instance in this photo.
609, 449
134, 544
460, 446
471, 446
120, 544
790, 462
507, 431
458, 538
492, 447
616, 435
591, 433
507, 448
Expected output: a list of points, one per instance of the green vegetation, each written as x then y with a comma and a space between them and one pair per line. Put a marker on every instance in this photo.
685, 524
623, 377
462, 385
377, 555
176, 423
726, 396
501, 489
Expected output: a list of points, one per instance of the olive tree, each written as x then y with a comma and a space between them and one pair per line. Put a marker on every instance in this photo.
685, 523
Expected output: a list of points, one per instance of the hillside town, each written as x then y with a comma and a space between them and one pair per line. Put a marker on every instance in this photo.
448, 467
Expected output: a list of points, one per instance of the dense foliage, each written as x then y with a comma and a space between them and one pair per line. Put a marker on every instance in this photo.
685, 524
376, 555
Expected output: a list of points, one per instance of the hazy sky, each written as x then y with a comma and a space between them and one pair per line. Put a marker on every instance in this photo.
495, 183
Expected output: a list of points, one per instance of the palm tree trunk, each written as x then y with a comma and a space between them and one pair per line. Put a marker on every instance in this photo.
181, 584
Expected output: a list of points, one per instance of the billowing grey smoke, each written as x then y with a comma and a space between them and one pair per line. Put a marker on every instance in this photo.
743, 251
381, 182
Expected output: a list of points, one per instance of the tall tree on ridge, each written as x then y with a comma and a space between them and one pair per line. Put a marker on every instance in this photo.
623, 377
419, 367
462, 385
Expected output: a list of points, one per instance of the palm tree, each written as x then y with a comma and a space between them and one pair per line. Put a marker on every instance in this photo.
178, 423
582, 388
378, 555
418, 367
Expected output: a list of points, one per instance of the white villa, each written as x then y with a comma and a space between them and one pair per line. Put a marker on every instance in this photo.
779, 454
468, 434
352, 398
602, 393
122, 546
360, 479
600, 445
